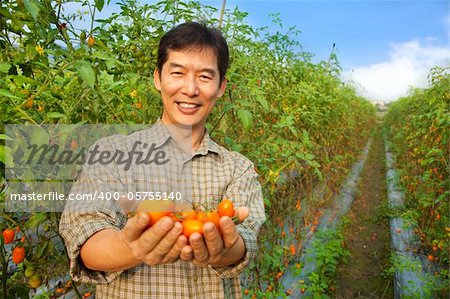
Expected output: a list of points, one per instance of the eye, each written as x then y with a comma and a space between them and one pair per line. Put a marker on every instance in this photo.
205, 77
176, 74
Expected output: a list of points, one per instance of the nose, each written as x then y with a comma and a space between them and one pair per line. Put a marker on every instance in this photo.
190, 86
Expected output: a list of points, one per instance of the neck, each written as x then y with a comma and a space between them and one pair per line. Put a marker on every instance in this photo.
189, 138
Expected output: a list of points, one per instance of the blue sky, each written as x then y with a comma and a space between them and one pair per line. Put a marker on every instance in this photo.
384, 47
362, 30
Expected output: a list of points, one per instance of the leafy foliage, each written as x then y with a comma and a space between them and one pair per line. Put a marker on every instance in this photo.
418, 127
295, 119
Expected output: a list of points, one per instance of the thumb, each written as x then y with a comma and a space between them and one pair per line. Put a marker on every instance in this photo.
241, 213
135, 226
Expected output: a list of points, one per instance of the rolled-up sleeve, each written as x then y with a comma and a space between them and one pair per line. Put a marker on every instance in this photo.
82, 219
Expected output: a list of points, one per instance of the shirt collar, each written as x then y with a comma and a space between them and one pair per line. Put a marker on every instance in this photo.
161, 135
208, 145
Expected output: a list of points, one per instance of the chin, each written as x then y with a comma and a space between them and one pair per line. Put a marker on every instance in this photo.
183, 122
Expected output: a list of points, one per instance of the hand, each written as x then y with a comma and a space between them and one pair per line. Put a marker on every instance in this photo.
160, 244
213, 248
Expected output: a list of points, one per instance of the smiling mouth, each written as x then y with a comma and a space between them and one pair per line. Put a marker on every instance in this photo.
187, 106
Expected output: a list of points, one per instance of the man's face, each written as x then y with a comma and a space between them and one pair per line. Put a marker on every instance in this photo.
189, 83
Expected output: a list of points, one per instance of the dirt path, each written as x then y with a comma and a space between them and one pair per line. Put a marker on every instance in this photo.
367, 235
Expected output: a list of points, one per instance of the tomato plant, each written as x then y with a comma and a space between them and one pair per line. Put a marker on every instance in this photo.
293, 118
417, 127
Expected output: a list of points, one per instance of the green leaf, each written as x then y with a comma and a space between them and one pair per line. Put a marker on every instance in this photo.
86, 73
39, 136
36, 220
99, 4
103, 56
55, 115
5, 156
261, 100
5, 137
4, 67
7, 93
21, 79
41, 250
33, 8
246, 118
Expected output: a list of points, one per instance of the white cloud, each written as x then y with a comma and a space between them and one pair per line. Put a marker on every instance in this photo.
409, 65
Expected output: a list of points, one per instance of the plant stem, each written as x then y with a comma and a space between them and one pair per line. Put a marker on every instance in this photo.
223, 114
222, 11
4, 268
75, 289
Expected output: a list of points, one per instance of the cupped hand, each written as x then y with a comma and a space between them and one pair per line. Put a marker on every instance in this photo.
214, 247
160, 244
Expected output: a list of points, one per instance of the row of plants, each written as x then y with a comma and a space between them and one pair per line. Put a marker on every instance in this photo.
417, 127
296, 120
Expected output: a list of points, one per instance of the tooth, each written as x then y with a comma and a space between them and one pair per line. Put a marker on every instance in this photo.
187, 105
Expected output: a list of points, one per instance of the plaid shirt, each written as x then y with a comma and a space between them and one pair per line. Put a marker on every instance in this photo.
215, 173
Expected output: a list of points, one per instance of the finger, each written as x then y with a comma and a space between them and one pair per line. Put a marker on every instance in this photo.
212, 238
152, 236
175, 252
198, 247
242, 213
187, 253
229, 233
135, 227
127, 205
167, 243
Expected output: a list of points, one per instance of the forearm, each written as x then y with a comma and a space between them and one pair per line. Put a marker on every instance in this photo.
107, 251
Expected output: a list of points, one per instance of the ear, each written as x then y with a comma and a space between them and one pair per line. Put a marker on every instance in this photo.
222, 88
157, 79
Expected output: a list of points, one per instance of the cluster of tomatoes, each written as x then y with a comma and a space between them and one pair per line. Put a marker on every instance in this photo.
9, 236
192, 219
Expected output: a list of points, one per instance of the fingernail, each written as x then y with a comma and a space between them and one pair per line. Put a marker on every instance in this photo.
166, 223
195, 239
142, 218
177, 228
208, 228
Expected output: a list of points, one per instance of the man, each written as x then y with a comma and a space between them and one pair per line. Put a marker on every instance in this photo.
125, 259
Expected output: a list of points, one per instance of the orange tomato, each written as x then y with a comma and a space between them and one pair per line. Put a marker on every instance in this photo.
91, 41
74, 144
28, 104
182, 212
292, 249
155, 216
213, 217
155, 209
18, 254
191, 226
8, 235
186, 215
225, 208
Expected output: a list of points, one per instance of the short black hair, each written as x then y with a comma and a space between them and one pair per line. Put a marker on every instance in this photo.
191, 35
